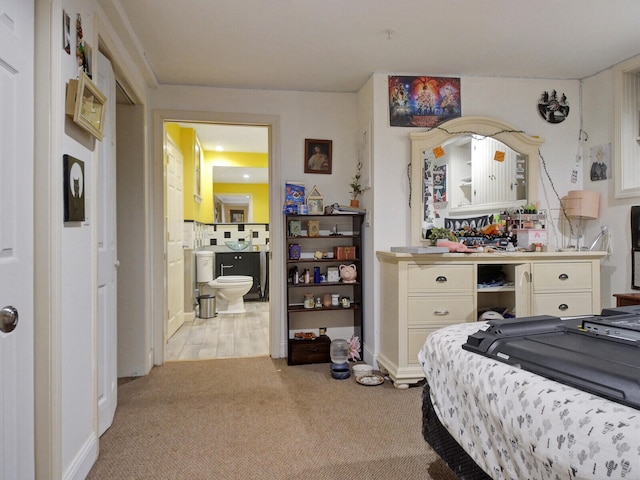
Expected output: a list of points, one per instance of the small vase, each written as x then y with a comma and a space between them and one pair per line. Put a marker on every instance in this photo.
355, 203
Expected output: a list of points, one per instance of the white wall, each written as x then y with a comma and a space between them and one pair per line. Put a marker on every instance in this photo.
66, 355
614, 213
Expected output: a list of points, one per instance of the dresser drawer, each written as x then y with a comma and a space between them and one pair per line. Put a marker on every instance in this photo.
439, 309
440, 278
563, 304
551, 277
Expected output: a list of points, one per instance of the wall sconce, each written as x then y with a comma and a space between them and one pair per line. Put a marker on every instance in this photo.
580, 205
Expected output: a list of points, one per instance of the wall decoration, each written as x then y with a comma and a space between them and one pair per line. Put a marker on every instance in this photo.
600, 161
434, 185
73, 174
81, 51
66, 32
552, 108
317, 156
86, 104
237, 216
364, 156
423, 101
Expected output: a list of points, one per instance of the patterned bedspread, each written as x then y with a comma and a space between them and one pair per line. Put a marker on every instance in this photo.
518, 425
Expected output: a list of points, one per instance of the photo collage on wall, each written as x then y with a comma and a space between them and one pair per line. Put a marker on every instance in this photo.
434, 186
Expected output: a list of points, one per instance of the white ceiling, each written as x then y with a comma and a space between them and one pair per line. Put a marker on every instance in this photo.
335, 45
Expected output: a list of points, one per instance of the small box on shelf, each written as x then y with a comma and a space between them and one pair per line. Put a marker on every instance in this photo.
344, 253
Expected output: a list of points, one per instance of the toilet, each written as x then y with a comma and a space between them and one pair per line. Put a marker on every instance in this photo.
229, 291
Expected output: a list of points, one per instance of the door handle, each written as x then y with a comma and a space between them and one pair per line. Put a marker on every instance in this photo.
8, 319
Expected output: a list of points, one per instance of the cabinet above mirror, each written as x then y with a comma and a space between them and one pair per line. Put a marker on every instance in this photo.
470, 166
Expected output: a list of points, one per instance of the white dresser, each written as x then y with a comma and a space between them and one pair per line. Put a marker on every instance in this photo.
424, 292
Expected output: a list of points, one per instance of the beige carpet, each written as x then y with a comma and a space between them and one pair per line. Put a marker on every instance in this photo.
257, 418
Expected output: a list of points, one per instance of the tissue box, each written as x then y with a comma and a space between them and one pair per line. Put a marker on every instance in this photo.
529, 236
344, 253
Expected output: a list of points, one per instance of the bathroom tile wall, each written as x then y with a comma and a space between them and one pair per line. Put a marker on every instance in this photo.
198, 234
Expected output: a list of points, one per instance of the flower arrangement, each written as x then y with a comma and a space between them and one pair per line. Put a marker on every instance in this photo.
354, 348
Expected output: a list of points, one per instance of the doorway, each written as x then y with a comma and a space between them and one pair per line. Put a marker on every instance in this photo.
158, 238
226, 166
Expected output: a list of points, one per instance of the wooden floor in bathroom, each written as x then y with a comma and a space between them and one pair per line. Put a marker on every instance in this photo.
223, 336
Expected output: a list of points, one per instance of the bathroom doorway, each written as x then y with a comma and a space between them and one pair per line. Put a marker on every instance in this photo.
245, 335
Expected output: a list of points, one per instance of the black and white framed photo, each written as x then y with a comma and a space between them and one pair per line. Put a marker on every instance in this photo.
73, 171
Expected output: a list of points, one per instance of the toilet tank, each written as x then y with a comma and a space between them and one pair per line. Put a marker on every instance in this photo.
204, 266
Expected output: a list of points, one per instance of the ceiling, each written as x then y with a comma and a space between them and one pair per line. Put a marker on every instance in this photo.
335, 45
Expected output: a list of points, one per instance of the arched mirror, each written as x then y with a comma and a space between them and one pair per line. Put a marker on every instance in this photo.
470, 166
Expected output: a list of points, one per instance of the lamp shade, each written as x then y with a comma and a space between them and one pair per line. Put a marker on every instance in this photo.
582, 204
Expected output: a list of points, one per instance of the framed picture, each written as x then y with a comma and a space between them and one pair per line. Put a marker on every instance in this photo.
317, 158
237, 216
73, 171
86, 104
315, 202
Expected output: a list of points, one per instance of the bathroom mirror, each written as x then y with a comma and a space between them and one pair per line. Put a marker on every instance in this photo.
470, 166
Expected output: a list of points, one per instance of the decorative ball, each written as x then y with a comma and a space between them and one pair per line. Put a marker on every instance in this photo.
339, 350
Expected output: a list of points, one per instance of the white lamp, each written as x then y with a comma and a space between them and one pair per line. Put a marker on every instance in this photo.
581, 205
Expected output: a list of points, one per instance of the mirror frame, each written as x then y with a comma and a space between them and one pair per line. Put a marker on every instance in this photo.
483, 126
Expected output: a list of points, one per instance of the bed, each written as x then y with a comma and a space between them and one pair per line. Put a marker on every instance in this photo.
488, 419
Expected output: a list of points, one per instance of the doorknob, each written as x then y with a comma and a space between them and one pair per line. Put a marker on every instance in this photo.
117, 263
8, 319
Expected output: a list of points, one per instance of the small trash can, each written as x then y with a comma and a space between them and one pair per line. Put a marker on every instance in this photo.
207, 306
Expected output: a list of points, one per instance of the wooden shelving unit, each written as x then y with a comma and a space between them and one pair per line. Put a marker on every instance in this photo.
336, 230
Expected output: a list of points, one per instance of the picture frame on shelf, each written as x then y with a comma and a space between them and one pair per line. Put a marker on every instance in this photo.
315, 202
317, 157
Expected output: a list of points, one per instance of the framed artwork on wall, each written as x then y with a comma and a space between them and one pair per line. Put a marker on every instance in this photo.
73, 174
86, 104
317, 157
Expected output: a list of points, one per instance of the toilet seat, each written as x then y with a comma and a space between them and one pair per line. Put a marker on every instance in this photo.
233, 279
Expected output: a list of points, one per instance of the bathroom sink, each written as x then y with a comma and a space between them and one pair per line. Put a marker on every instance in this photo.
237, 246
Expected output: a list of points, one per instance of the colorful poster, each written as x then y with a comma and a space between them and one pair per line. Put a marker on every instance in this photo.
423, 101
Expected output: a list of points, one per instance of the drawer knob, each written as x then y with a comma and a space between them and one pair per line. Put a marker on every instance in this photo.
442, 312
563, 276
441, 279
563, 307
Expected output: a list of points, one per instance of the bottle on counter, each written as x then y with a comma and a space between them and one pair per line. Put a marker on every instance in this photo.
307, 278
296, 276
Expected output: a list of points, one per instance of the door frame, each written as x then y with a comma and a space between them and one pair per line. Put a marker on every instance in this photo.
276, 248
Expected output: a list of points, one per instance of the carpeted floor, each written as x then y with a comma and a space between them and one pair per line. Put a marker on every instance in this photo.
257, 418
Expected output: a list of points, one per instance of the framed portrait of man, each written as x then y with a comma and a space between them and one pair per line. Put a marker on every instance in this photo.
317, 157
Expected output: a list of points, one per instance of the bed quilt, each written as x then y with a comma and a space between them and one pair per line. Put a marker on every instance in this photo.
518, 425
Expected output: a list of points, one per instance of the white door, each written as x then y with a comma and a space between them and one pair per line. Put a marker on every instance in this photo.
107, 254
175, 234
16, 239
